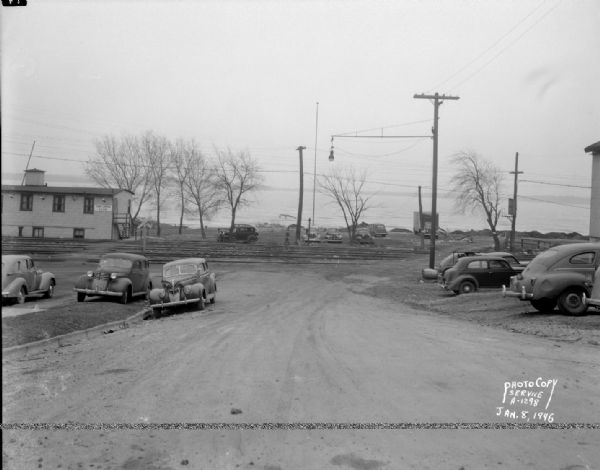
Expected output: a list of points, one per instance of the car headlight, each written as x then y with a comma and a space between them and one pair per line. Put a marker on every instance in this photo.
90, 274
187, 290
113, 276
161, 294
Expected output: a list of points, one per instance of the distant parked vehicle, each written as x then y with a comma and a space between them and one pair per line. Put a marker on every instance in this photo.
184, 282
363, 237
21, 279
241, 232
311, 236
122, 275
333, 235
473, 272
562, 275
377, 230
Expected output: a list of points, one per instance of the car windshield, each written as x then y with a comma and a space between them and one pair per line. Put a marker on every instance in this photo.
115, 263
179, 269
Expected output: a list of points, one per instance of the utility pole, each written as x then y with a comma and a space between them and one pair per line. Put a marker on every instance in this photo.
315, 167
422, 234
514, 203
299, 219
437, 101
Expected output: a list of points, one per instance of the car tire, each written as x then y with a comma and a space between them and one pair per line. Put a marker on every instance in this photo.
467, 287
80, 296
570, 302
21, 296
543, 305
50, 292
124, 296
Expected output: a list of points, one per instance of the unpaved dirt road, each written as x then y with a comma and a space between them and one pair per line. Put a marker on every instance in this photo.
293, 346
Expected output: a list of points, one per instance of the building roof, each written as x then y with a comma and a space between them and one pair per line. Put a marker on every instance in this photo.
62, 190
594, 148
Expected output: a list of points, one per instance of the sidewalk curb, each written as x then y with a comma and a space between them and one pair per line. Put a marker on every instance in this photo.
66, 339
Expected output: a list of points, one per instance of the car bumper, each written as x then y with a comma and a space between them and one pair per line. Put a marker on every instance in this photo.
523, 294
175, 303
591, 301
98, 292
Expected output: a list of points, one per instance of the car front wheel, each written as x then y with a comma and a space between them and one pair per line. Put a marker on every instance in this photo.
80, 296
466, 287
125, 296
571, 302
50, 292
21, 296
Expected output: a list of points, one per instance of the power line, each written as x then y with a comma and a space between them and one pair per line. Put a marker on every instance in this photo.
555, 203
507, 46
468, 64
557, 184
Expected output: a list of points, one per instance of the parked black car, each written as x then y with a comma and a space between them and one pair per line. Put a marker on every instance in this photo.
473, 272
241, 232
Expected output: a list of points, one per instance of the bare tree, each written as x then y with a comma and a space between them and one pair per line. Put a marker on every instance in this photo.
180, 171
236, 175
119, 163
157, 152
199, 183
345, 187
477, 186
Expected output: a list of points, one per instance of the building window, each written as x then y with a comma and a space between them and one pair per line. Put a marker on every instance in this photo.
26, 202
88, 205
38, 232
78, 233
59, 204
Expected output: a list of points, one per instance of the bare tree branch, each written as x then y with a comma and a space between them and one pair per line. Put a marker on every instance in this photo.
477, 185
346, 188
236, 175
119, 163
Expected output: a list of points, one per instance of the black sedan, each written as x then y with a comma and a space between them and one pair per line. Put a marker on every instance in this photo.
473, 272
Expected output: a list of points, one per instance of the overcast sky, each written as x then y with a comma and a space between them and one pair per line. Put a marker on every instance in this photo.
248, 75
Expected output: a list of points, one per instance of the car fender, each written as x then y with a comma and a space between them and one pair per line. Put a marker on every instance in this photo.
154, 295
47, 278
15, 286
552, 285
120, 284
453, 285
197, 289
213, 282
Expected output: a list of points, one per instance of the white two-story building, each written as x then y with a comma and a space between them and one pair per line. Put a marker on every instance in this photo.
36, 210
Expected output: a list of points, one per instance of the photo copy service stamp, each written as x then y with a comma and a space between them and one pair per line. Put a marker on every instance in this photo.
528, 400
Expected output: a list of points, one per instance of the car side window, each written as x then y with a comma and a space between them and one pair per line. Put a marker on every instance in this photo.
583, 258
497, 264
479, 264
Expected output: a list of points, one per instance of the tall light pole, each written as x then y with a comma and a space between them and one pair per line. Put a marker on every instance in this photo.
437, 101
300, 197
315, 167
